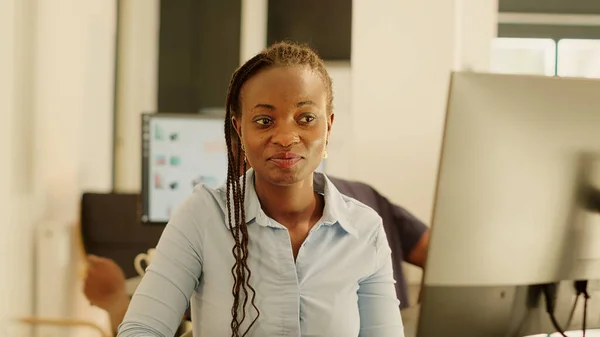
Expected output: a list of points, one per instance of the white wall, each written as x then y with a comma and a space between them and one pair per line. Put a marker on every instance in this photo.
475, 28
402, 56
15, 259
340, 141
136, 87
56, 106
253, 30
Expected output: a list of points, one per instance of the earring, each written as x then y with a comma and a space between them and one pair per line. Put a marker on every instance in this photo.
325, 154
243, 147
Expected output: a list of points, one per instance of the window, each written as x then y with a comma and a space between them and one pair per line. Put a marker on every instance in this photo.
523, 56
579, 58
568, 57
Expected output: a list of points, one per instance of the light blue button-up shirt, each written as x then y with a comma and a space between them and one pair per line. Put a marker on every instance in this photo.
341, 283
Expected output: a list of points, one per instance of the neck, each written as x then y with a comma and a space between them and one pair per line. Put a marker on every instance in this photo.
289, 205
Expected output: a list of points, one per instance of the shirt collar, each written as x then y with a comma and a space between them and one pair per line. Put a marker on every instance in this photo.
336, 209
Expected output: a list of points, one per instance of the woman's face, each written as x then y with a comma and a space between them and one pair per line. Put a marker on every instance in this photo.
284, 123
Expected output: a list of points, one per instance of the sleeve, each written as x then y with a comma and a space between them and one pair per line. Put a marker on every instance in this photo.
377, 302
158, 305
410, 228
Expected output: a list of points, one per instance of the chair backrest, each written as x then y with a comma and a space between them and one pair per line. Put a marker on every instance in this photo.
111, 228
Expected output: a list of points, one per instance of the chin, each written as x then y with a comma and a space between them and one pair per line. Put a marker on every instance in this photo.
284, 177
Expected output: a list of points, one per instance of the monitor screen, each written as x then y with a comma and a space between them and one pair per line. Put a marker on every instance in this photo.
180, 151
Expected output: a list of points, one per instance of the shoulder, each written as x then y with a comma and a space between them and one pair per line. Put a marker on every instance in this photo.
202, 205
191, 222
352, 213
361, 216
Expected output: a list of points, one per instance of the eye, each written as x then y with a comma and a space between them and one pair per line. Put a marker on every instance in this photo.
307, 119
264, 121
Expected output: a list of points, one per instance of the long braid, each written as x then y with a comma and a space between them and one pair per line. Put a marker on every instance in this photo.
280, 54
240, 270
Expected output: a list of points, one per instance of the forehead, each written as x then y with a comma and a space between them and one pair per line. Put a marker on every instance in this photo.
279, 84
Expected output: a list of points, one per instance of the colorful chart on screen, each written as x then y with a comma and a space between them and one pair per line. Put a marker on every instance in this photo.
179, 152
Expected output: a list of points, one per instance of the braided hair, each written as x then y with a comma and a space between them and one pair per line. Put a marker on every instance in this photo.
281, 54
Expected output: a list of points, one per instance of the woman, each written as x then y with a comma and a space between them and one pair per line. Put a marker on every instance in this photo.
306, 261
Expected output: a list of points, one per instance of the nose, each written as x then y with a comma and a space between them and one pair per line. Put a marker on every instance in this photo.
285, 135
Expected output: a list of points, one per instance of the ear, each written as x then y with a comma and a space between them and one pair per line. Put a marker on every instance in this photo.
237, 125
330, 119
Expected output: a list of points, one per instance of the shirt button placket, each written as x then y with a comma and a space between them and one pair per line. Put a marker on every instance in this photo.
289, 285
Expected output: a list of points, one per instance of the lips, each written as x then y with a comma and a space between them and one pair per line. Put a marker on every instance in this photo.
285, 155
285, 159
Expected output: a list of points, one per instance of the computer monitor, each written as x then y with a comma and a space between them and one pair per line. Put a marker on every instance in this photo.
180, 151
517, 154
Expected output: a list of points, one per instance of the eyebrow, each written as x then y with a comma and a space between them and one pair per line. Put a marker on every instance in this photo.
270, 107
264, 106
304, 103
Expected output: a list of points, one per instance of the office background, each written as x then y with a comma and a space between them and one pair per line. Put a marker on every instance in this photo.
77, 75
